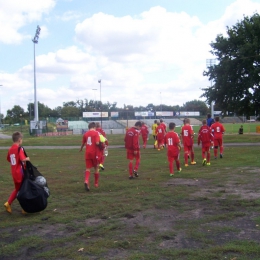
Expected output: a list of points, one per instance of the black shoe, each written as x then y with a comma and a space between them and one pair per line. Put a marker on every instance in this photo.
86, 187
136, 174
221, 156
101, 167
131, 177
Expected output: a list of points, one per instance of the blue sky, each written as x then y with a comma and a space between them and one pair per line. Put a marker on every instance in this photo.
145, 51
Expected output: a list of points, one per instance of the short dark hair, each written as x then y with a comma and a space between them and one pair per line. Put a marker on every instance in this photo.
138, 123
97, 124
217, 118
16, 136
172, 126
209, 115
155, 121
91, 125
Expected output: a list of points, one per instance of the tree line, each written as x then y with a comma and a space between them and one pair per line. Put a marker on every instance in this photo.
76, 108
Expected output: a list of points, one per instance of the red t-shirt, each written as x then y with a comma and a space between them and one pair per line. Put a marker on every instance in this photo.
144, 130
160, 131
172, 140
217, 130
15, 159
205, 136
90, 138
187, 135
132, 139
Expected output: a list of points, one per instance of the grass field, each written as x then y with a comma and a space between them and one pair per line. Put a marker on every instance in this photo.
201, 213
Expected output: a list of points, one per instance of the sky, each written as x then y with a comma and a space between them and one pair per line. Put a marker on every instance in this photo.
144, 51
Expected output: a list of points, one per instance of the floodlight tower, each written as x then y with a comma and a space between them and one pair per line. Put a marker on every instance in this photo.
210, 63
99, 81
35, 41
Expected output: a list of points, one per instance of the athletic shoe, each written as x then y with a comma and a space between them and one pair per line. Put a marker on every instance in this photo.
159, 149
86, 187
96, 185
221, 156
215, 158
131, 177
171, 175
208, 164
186, 165
101, 167
179, 170
8, 207
193, 163
135, 173
204, 162
24, 212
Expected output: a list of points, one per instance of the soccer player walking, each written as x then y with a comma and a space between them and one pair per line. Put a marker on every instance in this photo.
160, 134
144, 133
205, 137
218, 131
16, 157
172, 141
187, 134
133, 148
91, 141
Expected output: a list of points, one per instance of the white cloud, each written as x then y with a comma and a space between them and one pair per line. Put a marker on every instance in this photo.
158, 56
15, 14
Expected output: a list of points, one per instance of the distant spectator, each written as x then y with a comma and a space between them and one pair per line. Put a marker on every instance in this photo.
210, 120
241, 130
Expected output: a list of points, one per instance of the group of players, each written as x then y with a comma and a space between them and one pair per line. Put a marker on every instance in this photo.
210, 134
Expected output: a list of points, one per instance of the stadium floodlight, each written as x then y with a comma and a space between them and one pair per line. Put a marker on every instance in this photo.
99, 81
35, 41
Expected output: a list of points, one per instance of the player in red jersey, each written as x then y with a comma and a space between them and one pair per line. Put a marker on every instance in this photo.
187, 134
133, 148
16, 157
160, 134
91, 140
145, 134
172, 141
164, 125
205, 137
103, 145
218, 131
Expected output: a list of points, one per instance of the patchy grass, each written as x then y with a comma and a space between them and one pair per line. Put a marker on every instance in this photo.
201, 213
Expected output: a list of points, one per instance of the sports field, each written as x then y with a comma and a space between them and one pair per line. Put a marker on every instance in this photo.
204, 212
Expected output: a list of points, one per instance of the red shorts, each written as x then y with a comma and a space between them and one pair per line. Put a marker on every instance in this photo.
130, 155
205, 149
217, 142
188, 149
90, 163
173, 158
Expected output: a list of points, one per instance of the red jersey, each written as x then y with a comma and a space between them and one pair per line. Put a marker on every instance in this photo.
144, 130
101, 131
160, 131
172, 141
217, 130
132, 139
187, 135
205, 136
90, 138
15, 158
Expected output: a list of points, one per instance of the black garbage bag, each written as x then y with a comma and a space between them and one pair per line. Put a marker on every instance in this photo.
32, 196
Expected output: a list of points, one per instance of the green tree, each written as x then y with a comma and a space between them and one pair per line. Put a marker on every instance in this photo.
14, 115
196, 105
236, 77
